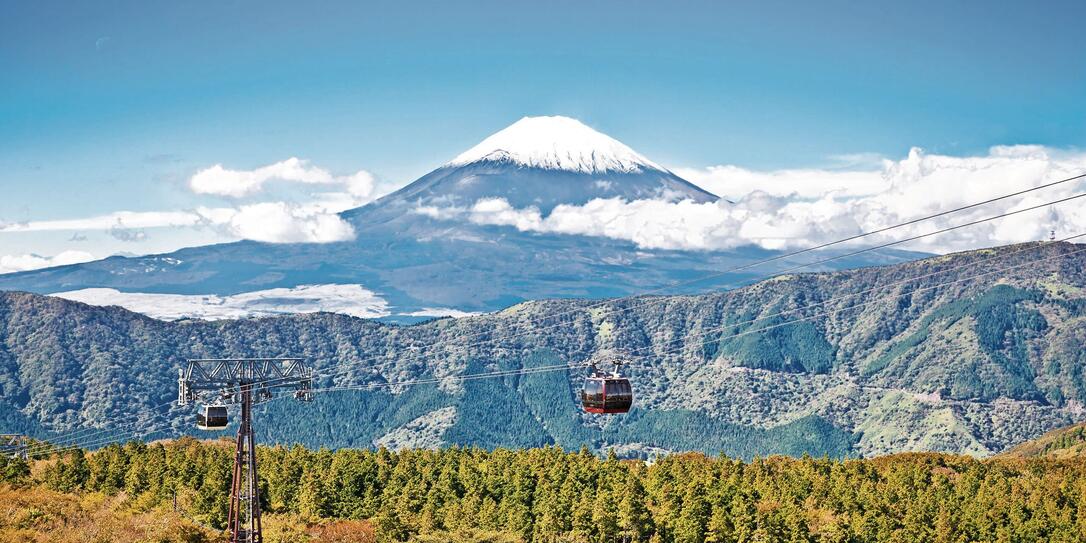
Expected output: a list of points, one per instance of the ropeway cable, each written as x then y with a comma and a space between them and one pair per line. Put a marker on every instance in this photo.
912, 238
771, 259
800, 266
543, 369
786, 312
566, 367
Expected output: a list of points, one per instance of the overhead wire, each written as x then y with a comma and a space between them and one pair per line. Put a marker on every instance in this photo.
793, 310
706, 332
808, 264
628, 307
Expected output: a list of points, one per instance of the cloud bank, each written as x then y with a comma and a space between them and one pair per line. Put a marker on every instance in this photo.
312, 218
780, 209
790, 209
222, 181
25, 262
313, 221
345, 299
272, 222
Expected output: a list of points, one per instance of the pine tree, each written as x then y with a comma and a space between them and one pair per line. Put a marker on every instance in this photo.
634, 519
389, 527
70, 475
694, 517
604, 516
742, 514
582, 518
14, 471
312, 497
720, 529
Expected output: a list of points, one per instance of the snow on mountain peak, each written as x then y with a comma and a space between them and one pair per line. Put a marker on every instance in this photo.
558, 143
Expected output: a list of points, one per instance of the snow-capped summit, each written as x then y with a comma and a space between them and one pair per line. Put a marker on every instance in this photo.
557, 143
540, 162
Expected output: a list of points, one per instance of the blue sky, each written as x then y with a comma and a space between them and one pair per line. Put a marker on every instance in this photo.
108, 106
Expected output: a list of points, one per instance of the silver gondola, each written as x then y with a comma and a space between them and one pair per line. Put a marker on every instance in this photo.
212, 417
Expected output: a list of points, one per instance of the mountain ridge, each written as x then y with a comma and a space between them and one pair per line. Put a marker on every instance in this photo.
972, 366
1062, 443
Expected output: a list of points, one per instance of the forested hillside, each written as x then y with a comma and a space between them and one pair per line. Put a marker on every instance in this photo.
548, 495
916, 356
1069, 442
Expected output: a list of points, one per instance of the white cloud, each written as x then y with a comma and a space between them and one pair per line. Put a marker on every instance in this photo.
438, 312
274, 222
122, 232
130, 219
237, 183
24, 262
360, 185
279, 222
220, 181
313, 219
798, 208
346, 299
733, 182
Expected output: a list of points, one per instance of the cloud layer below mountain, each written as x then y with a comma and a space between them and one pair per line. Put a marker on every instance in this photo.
293, 201
797, 208
26, 262
346, 299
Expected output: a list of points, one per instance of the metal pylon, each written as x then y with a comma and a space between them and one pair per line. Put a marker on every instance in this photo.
244, 381
244, 519
14, 446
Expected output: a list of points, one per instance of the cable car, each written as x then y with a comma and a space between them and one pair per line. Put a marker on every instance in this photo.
606, 393
212, 417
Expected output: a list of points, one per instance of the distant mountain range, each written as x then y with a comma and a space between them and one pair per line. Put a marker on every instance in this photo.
419, 253
922, 355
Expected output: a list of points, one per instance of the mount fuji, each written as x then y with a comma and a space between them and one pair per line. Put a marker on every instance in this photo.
416, 257
544, 162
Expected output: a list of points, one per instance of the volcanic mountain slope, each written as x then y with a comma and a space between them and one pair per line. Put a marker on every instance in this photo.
419, 252
544, 162
968, 353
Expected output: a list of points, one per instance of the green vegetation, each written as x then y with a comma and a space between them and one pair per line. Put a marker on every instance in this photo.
985, 364
1061, 443
799, 347
546, 494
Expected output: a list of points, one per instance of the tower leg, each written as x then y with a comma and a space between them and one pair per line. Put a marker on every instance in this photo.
244, 519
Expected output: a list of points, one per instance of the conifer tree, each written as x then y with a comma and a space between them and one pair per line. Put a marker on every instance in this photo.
312, 496
690, 527
604, 518
634, 519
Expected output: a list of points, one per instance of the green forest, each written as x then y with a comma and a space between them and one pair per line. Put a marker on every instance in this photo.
712, 373
550, 495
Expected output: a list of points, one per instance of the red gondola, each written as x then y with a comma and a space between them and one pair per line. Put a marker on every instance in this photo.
606, 393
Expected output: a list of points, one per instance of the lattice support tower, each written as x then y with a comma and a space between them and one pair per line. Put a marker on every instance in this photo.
14, 446
245, 382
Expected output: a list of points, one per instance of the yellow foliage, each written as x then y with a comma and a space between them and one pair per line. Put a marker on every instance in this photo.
33, 515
